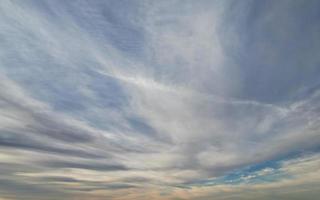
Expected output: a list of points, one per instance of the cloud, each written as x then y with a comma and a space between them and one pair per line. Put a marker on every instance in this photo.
159, 100
91, 166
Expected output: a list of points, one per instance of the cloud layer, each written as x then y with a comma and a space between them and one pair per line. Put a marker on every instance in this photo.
159, 100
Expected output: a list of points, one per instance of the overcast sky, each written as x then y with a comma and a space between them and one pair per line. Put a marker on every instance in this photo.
164, 100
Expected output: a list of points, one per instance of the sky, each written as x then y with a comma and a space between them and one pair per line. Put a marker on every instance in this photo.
163, 100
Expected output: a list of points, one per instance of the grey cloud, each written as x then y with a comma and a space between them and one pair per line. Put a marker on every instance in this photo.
36, 147
58, 179
57, 129
136, 180
85, 185
114, 186
13, 189
79, 165
102, 187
